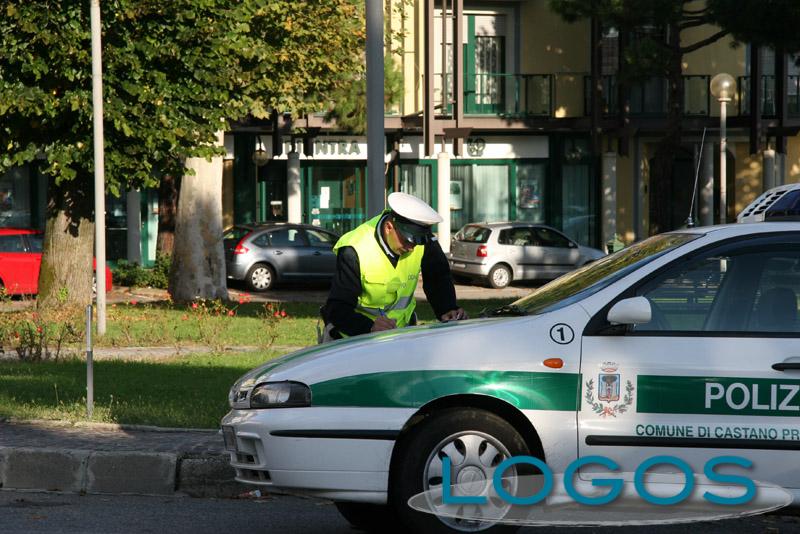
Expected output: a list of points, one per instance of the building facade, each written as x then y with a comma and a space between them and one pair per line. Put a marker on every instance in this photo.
505, 121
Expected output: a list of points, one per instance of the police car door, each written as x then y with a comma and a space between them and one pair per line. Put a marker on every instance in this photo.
715, 372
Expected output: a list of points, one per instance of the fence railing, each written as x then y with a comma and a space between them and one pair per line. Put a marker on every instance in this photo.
500, 94
650, 97
535, 95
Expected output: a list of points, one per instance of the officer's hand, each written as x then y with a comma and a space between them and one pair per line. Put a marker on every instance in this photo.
454, 315
383, 323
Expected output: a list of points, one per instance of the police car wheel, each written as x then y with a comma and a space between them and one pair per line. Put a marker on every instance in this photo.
260, 277
368, 517
476, 441
499, 276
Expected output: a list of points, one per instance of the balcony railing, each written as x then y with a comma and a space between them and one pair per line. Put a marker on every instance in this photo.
767, 95
548, 95
511, 95
650, 97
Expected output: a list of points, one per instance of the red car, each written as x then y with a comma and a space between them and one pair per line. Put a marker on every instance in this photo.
20, 259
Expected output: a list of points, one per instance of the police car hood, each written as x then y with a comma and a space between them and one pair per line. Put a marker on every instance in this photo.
479, 344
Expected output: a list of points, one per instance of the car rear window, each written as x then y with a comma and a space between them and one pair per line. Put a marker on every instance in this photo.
474, 234
235, 233
11, 243
35, 241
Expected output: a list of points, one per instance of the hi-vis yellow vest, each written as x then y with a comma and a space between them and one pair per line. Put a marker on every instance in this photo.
384, 288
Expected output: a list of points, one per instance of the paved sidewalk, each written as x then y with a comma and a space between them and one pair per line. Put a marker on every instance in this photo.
314, 293
104, 458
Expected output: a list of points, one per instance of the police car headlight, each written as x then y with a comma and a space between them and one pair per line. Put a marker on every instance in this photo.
237, 396
280, 395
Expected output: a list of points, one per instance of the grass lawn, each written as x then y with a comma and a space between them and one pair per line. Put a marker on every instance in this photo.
188, 391
252, 324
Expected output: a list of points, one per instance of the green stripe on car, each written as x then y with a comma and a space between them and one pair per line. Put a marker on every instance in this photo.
411, 389
718, 395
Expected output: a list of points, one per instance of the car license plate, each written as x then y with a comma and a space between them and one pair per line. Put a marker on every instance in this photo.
229, 436
459, 265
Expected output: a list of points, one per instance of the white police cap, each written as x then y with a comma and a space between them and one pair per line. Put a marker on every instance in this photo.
413, 209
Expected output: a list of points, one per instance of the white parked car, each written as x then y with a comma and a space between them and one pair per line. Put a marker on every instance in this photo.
498, 253
685, 344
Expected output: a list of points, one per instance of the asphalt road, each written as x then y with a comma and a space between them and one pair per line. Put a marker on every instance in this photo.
23, 512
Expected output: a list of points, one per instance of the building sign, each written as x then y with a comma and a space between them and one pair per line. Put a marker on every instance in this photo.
327, 148
482, 147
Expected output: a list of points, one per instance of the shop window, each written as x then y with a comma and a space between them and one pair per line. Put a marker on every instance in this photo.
531, 179
484, 194
335, 196
416, 180
117, 226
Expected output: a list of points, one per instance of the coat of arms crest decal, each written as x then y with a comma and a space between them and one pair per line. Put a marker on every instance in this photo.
609, 384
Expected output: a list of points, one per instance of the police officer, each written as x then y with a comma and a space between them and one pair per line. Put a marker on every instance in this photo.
377, 268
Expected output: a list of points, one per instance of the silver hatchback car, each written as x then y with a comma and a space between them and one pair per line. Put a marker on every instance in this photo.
262, 255
502, 252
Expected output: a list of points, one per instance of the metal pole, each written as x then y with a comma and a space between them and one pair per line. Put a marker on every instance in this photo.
99, 173
89, 364
375, 136
723, 162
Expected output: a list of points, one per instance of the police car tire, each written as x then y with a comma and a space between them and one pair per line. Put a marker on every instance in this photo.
248, 279
367, 517
415, 448
507, 278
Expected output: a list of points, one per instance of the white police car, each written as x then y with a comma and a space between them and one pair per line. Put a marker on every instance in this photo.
685, 344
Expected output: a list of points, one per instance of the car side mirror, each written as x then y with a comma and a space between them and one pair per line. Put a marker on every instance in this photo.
630, 311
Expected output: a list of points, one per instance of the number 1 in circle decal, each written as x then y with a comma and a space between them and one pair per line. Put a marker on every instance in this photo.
562, 334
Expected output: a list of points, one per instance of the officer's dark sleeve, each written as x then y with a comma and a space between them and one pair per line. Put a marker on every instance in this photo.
436, 280
343, 298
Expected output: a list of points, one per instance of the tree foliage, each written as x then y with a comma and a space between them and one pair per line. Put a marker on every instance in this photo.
174, 72
349, 104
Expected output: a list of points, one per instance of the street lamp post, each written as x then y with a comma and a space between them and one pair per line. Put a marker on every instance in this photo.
723, 87
99, 169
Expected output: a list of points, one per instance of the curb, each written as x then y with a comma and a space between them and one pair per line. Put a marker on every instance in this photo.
108, 458
129, 472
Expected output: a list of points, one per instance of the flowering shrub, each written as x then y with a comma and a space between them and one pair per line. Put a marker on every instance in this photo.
38, 336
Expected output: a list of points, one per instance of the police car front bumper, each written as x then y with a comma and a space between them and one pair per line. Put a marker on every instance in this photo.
341, 454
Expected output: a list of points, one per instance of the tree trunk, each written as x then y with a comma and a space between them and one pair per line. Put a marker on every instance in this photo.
667, 149
65, 277
198, 257
168, 191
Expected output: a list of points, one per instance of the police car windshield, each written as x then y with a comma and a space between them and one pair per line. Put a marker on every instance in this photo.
591, 278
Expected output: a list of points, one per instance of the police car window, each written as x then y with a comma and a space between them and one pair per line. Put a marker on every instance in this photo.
682, 299
286, 238
776, 307
740, 292
588, 280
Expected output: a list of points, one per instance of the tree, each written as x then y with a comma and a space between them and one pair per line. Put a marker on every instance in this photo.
170, 71
198, 260
174, 72
349, 104
301, 53
658, 53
